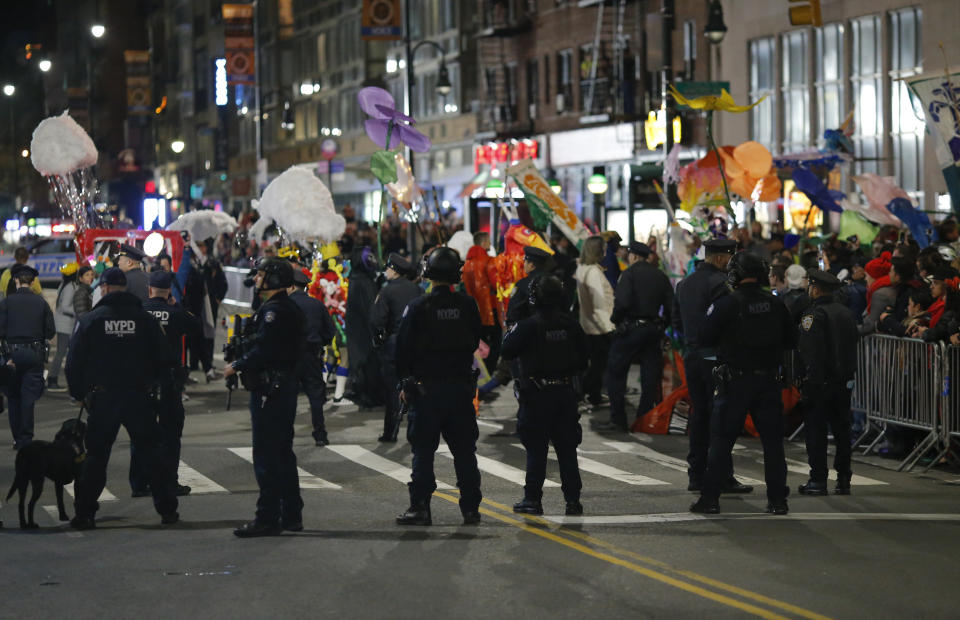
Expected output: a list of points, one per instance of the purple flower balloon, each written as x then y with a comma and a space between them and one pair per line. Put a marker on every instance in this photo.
380, 106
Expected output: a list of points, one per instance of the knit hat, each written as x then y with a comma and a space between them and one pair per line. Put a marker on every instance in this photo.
879, 267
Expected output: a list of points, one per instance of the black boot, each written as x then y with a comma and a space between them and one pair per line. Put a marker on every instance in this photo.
574, 509
706, 505
471, 517
843, 486
256, 528
812, 487
528, 506
778, 507
416, 514
735, 486
320, 438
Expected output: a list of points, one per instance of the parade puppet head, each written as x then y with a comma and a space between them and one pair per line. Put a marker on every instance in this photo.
519, 236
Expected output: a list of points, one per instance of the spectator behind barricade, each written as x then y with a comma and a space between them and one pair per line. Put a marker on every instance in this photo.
945, 310
928, 260
902, 278
795, 298
7, 285
948, 233
918, 300
880, 293
854, 291
596, 307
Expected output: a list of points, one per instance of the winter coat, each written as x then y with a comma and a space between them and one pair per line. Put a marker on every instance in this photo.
82, 300
596, 300
64, 316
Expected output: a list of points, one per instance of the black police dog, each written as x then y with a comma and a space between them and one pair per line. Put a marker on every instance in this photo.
59, 460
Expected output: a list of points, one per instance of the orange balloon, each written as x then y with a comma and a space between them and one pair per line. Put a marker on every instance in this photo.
754, 158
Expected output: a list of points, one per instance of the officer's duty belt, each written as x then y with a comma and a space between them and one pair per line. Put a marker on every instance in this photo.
638, 322
541, 383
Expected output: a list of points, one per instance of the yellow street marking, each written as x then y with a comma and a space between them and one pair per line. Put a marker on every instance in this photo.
799, 611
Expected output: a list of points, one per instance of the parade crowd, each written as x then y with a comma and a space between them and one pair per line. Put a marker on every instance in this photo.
434, 340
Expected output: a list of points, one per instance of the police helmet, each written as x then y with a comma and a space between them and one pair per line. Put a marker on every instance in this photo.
546, 292
277, 273
745, 265
444, 265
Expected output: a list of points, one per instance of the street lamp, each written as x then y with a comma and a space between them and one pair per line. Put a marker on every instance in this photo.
597, 185
44, 65
177, 146
97, 30
715, 28
443, 80
9, 89
555, 186
25, 153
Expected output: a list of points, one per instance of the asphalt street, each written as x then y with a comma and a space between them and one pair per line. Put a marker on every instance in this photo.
887, 551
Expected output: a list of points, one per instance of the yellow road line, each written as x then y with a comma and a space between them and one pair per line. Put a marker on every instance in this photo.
799, 611
652, 574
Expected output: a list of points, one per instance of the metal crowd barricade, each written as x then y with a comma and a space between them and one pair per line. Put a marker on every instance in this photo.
950, 408
900, 382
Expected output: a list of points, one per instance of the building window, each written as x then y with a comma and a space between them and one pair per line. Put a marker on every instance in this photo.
830, 78
533, 87
762, 117
865, 76
795, 90
907, 120
564, 80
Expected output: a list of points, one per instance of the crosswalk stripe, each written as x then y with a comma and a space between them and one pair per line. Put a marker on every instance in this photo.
799, 467
498, 469
374, 461
198, 483
667, 461
105, 496
607, 471
307, 480
55, 515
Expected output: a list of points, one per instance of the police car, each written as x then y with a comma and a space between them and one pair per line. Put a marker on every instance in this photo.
47, 256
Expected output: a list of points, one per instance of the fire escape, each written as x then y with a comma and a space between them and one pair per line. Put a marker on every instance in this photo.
501, 20
603, 78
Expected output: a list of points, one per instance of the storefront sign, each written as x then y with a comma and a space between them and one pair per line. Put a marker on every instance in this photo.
538, 192
238, 43
510, 152
138, 82
382, 20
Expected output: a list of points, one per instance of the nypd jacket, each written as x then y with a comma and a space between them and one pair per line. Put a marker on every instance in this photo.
437, 337
279, 337
117, 346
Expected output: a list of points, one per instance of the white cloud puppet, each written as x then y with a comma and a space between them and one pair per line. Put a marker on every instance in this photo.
461, 241
301, 206
204, 223
61, 146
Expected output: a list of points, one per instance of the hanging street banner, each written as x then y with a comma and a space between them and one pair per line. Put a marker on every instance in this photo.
238, 43
139, 100
939, 94
381, 20
539, 195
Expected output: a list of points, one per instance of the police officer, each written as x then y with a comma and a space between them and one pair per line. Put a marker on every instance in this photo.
26, 323
751, 329
178, 325
435, 343
643, 293
828, 348
536, 262
552, 350
117, 353
385, 320
320, 331
694, 295
130, 261
268, 370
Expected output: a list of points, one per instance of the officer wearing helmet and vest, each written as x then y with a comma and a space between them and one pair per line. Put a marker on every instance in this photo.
750, 329
436, 339
552, 352
117, 354
268, 370
385, 320
828, 348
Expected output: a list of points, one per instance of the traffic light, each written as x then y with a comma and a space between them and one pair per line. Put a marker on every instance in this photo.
806, 13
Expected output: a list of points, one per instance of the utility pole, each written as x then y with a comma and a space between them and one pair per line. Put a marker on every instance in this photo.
667, 22
408, 110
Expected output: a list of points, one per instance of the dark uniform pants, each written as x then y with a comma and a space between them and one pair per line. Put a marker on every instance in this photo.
599, 349
170, 418
759, 394
135, 411
388, 373
700, 383
445, 410
829, 404
550, 416
639, 342
274, 463
23, 391
312, 384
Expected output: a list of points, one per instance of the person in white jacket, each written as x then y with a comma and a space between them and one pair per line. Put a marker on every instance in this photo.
64, 319
596, 307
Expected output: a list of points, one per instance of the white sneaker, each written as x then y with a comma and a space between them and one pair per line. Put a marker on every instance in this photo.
342, 401
213, 375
